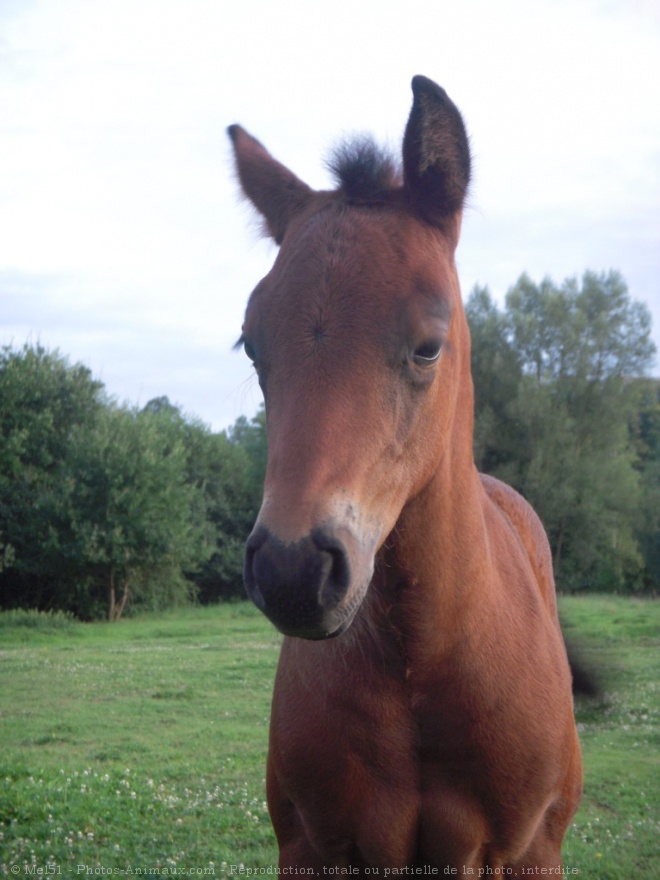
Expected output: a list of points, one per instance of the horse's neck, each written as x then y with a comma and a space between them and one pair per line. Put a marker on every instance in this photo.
441, 534
439, 552
432, 574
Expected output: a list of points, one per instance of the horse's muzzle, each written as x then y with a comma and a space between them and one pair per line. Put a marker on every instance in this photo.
300, 586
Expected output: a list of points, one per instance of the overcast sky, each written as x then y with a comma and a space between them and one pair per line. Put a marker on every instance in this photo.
122, 240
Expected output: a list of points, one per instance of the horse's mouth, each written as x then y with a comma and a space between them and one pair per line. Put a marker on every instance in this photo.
314, 635
321, 633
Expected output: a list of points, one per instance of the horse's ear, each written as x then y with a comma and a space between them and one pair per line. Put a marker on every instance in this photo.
436, 153
274, 190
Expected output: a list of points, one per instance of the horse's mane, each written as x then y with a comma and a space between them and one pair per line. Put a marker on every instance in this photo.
363, 170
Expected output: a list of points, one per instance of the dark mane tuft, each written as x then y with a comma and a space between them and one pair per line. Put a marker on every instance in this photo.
363, 170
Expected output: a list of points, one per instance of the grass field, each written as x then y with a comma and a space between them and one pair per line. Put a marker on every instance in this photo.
142, 744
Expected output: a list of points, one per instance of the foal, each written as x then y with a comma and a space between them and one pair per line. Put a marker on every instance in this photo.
436, 731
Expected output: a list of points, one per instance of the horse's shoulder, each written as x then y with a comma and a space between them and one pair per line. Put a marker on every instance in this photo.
526, 523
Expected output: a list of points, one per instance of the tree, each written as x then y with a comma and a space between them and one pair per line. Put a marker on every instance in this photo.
227, 469
134, 515
251, 437
43, 400
234, 464
497, 371
645, 430
553, 416
97, 506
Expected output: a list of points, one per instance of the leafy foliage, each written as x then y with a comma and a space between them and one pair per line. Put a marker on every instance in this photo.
131, 510
233, 467
105, 507
556, 407
42, 401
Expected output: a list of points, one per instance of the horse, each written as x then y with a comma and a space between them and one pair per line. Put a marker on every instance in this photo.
422, 716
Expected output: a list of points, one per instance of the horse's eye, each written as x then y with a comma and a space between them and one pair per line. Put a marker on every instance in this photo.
249, 351
427, 353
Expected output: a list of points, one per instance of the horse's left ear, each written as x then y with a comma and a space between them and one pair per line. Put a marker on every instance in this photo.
436, 153
274, 191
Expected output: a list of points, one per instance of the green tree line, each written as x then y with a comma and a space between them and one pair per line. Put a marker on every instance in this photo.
107, 507
564, 413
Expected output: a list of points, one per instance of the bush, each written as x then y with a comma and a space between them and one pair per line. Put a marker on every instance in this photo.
34, 619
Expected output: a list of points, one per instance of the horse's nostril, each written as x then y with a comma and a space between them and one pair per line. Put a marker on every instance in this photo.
254, 542
336, 568
258, 537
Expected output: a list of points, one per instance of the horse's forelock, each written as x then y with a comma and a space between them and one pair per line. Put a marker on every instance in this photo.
363, 170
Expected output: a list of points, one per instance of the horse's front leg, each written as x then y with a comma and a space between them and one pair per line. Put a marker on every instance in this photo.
298, 854
296, 850
543, 856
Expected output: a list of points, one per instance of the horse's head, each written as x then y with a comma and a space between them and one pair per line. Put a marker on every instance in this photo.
359, 341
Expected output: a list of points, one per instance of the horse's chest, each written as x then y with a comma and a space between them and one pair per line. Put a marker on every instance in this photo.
347, 757
364, 796
393, 774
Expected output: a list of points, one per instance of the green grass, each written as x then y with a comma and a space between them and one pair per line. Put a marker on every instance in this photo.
142, 743
616, 833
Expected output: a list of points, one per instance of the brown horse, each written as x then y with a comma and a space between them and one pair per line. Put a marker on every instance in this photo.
436, 734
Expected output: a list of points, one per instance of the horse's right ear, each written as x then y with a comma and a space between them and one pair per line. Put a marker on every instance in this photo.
436, 153
274, 190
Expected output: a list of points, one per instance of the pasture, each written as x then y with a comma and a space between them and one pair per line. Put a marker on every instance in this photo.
140, 746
